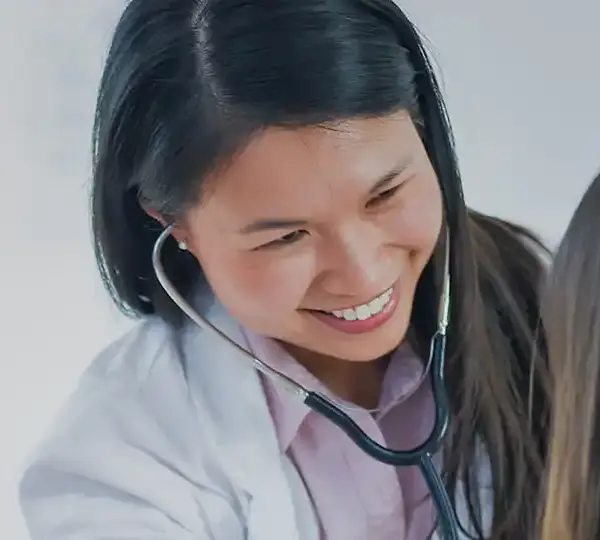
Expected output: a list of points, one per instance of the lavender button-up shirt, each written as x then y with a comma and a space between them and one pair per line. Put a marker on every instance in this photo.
356, 497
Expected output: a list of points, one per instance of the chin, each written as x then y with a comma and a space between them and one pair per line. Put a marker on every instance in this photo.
367, 351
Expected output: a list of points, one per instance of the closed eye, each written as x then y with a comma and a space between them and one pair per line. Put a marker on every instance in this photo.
383, 196
290, 238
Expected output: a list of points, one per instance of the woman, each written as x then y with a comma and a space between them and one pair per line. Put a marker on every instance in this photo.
571, 311
303, 153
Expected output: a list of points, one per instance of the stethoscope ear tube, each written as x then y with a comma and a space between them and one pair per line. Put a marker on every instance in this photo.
420, 456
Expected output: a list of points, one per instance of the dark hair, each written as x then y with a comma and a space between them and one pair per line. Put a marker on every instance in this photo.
187, 83
571, 311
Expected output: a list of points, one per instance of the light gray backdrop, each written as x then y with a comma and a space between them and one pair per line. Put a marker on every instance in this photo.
523, 86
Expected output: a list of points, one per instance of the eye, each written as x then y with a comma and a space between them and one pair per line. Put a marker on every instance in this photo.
383, 196
285, 240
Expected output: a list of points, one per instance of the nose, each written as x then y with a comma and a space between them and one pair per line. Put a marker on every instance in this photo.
356, 265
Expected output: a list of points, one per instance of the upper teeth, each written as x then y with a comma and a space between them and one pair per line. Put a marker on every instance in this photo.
365, 311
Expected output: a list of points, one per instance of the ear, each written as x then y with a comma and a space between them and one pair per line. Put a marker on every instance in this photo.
176, 232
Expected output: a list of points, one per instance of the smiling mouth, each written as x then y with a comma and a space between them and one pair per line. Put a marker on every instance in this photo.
361, 318
363, 312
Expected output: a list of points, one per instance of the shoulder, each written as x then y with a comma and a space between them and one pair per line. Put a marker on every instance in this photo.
124, 383
127, 440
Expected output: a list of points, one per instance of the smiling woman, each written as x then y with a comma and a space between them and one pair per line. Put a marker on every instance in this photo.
317, 220
302, 154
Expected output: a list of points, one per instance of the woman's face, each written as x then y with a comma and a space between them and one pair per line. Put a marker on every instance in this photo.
317, 237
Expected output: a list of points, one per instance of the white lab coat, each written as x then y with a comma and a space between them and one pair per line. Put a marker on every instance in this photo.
168, 437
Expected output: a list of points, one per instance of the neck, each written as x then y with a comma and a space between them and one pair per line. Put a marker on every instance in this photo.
356, 382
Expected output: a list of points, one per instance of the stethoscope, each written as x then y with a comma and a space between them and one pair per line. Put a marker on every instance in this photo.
421, 456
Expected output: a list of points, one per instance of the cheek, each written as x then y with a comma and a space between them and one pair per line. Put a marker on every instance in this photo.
257, 288
418, 223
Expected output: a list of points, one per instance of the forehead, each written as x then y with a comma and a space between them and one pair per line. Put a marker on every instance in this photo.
299, 169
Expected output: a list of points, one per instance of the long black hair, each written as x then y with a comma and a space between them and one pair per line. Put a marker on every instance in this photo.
188, 83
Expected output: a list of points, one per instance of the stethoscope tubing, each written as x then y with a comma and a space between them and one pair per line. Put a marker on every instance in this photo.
420, 456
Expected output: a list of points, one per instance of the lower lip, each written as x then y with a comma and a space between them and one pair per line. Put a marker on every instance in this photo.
358, 326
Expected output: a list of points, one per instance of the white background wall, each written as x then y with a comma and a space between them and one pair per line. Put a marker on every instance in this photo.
523, 87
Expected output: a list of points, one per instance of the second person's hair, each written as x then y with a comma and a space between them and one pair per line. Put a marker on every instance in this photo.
571, 314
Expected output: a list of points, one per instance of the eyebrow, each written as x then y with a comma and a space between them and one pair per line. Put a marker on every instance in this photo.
277, 223
389, 176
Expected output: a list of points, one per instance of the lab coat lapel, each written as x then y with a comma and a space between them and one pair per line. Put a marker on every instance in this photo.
245, 436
